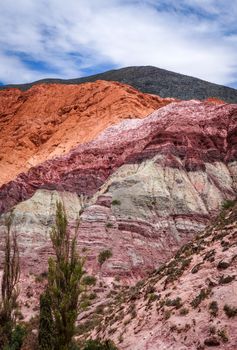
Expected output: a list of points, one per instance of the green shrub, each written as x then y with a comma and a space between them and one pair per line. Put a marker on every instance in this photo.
222, 265
213, 308
223, 335
212, 341
174, 302
230, 311
201, 296
152, 297
228, 204
97, 345
104, 255
226, 279
167, 314
92, 296
115, 202
89, 280
17, 338
184, 311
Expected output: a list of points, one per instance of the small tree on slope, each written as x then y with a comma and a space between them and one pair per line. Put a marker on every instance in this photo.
64, 287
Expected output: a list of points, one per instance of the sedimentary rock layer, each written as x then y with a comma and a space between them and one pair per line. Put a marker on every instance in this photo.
152, 184
187, 135
50, 120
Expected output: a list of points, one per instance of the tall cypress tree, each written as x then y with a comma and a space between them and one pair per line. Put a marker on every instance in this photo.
9, 289
46, 329
65, 272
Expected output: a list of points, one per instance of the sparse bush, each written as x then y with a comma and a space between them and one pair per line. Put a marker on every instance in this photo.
97, 345
222, 265
115, 202
213, 308
204, 293
223, 335
230, 311
226, 279
89, 280
212, 341
196, 268
184, 311
92, 296
99, 309
177, 302
228, 204
109, 224
152, 297
41, 277
167, 314
84, 304
88, 325
104, 255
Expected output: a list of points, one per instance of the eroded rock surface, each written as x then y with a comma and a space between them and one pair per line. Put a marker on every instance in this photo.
193, 136
152, 184
50, 120
189, 303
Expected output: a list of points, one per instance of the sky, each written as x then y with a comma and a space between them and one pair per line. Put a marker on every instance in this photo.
73, 38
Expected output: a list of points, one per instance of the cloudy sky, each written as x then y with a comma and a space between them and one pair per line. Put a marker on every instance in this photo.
73, 38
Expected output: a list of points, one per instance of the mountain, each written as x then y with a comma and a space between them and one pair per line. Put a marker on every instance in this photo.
49, 120
150, 174
153, 80
149, 185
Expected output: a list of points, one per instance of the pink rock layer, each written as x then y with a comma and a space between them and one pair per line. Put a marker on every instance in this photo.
187, 134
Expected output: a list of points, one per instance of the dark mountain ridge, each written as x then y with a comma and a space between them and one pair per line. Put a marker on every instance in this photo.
152, 80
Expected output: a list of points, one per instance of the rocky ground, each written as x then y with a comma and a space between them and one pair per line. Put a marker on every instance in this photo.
190, 302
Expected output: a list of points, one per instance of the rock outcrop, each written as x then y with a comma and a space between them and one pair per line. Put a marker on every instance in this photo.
49, 120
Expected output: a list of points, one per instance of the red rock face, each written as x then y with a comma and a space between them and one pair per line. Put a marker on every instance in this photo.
187, 135
49, 120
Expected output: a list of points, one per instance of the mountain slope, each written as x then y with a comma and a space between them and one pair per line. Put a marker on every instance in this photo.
154, 81
152, 184
189, 303
49, 120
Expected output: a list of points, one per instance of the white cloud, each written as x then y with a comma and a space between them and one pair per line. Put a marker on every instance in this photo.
70, 36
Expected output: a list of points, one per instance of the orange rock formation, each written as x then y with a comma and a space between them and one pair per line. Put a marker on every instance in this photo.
50, 120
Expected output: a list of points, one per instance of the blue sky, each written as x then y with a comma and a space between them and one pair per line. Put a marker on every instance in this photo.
73, 38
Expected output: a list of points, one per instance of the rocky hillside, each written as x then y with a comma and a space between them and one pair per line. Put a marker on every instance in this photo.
154, 80
189, 303
50, 120
148, 186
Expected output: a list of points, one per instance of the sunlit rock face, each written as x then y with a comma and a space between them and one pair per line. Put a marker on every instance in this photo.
49, 120
147, 186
